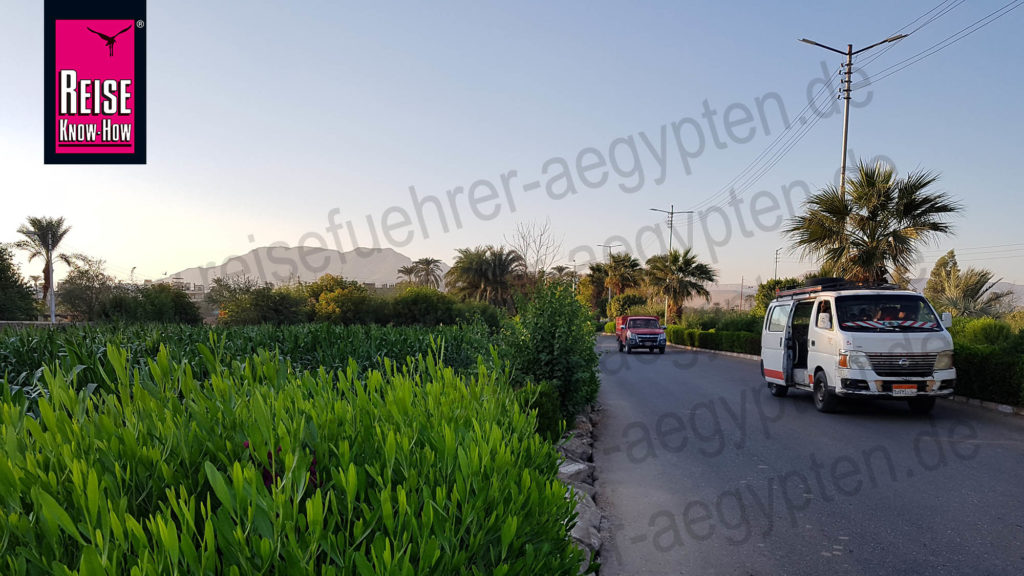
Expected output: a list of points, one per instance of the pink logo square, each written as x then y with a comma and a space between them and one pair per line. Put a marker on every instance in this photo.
95, 74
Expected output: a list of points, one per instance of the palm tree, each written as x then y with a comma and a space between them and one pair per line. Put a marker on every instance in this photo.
968, 292
427, 272
407, 273
487, 274
560, 272
680, 276
42, 237
874, 231
624, 271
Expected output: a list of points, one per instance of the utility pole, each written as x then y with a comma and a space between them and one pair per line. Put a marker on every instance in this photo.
776, 277
671, 218
609, 247
844, 92
741, 292
53, 281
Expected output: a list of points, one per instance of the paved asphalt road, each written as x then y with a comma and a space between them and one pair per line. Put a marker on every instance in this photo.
702, 472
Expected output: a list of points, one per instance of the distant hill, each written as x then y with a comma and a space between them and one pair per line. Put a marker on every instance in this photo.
284, 264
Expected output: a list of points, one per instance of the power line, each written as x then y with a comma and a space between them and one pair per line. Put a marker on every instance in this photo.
751, 173
944, 43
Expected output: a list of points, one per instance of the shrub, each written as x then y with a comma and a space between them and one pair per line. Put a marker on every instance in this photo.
470, 312
985, 331
988, 372
1016, 320
740, 322
649, 309
618, 305
675, 334
16, 299
420, 305
350, 306
553, 341
266, 470
609, 327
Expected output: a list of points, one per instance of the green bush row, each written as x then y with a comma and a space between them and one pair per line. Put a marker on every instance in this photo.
609, 327
994, 373
263, 469
742, 342
307, 347
989, 360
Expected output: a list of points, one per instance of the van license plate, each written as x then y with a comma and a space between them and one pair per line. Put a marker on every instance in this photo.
904, 389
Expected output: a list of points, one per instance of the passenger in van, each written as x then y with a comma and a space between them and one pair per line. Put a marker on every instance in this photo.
908, 312
886, 313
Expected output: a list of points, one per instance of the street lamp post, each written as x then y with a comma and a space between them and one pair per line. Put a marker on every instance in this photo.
671, 218
609, 247
845, 91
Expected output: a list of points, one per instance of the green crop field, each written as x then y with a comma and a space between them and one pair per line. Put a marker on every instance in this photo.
309, 449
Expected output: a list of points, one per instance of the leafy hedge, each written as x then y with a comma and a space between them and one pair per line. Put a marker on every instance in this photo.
742, 342
989, 360
260, 468
991, 373
609, 327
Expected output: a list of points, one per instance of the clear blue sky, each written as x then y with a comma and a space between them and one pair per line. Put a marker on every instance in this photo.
266, 116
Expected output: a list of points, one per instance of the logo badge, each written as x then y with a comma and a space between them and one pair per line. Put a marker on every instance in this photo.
95, 82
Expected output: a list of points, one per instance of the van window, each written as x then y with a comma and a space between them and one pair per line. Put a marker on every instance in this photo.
777, 321
824, 307
886, 313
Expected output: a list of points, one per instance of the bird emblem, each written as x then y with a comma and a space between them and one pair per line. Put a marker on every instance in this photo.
110, 39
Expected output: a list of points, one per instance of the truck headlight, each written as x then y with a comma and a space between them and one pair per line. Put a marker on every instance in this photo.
661, 337
854, 360
944, 361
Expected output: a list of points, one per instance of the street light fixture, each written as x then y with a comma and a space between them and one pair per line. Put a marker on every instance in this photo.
849, 53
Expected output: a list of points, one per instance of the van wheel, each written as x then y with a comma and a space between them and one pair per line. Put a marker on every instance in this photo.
824, 399
661, 350
620, 345
921, 405
629, 349
778, 390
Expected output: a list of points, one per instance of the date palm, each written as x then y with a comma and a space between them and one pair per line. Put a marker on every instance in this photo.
680, 276
42, 237
873, 232
623, 272
486, 273
427, 272
407, 273
969, 292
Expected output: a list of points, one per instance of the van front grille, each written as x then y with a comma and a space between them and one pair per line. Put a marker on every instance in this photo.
911, 364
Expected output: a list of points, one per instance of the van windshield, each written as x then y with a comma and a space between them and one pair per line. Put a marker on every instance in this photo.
886, 313
644, 324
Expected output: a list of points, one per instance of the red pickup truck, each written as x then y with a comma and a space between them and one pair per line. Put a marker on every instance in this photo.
639, 332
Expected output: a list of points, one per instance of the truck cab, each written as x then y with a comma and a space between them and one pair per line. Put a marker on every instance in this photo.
634, 332
850, 340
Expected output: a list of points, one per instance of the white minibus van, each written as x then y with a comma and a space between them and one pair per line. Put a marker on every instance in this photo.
839, 339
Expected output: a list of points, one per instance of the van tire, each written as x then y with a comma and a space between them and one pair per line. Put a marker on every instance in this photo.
620, 345
825, 400
629, 349
661, 350
778, 390
922, 406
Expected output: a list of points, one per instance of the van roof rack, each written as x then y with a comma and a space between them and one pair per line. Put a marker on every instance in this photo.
835, 284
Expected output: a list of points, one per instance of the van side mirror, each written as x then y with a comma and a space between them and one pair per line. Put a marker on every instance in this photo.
664, 327
947, 320
825, 321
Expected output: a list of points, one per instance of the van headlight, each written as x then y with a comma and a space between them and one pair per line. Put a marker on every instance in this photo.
944, 361
854, 360
661, 337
